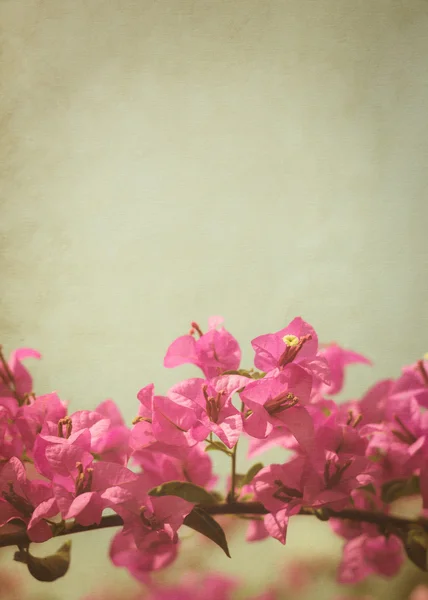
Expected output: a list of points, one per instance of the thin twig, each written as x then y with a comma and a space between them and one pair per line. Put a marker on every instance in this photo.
231, 495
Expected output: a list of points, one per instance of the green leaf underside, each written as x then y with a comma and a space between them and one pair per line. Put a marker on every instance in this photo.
184, 489
396, 489
48, 568
218, 446
199, 520
251, 473
416, 546
400, 488
217, 496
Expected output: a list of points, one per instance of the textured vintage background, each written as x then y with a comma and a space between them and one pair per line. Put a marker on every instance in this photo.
166, 160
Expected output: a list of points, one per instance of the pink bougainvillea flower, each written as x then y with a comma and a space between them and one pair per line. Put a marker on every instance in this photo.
145, 514
413, 383
15, 380
95, 423
174, 424
29, 501
400, 443
157, 553
89, 491
338, 358
342, 438
11, 443
142, 436
271, 491
297, 343
211, 403
280, 489
163, 516
164, 421
339, 477
33, 418
214, 352
364, 556
336, 430
256, 531
82, 487
285, 489
372, 405
389, 453
48, 450
109, 439
279, 402
114, 445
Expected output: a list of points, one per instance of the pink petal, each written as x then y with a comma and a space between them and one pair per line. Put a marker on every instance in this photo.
86, 509
229, 430
256, 531
106, 475
39, 530
181, 351
277, 524
257, 424
111, 411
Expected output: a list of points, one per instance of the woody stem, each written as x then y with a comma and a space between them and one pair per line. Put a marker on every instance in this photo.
384, 521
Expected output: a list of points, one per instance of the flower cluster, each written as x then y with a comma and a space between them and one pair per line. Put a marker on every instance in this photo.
60, 471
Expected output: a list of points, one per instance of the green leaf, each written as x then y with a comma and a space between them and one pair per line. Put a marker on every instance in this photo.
239, 478
322, 514
48, 568
251, 374
217, 496
251, 473
258, 375
416, 545
203, 523
218, 446
368, 488
184, 489
399, 488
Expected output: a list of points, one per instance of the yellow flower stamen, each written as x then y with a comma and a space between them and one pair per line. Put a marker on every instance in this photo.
290, 340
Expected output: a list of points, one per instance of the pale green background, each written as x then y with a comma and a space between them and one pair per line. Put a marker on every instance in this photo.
166, 160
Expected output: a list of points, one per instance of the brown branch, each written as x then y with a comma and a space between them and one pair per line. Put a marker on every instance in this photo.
20, 538
382, 520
